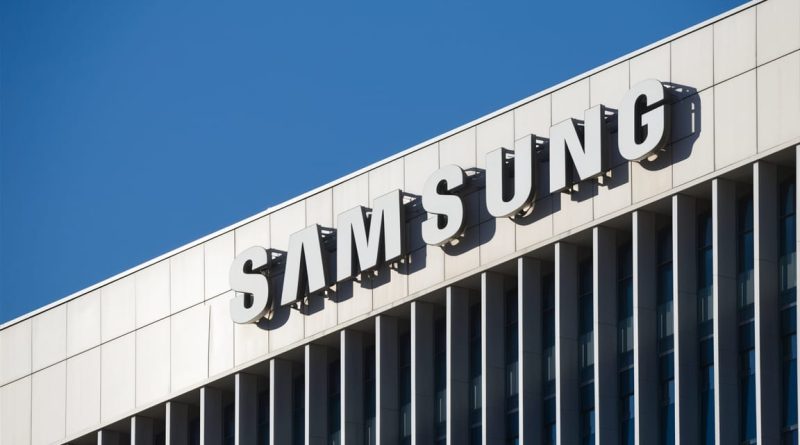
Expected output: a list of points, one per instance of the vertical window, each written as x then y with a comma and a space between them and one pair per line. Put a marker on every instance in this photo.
263, 417
548, 362
512, 368
369, 395
404, 362
228, 425
788, 290
440, 380
625, 343
475, 375
586, 352
334, 403
744, 299
666, 374
705, 314
298, 409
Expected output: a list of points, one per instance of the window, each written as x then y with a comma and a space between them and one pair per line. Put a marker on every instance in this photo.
475, 375
664, 287
298, 409
586, 352
788, 289
705, 315
625, 343
548, 362
512, 368
369, 396
263, 417
440, 380
744, 298
228, 425
334, 403
404, 395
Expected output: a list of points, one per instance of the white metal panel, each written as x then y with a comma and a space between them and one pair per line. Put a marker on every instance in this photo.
692, 59
189, 347
117, 308
187, 286
495, 133
15, 351
152, 293
654, 64
218, 254
49, 338
735, 119
777, 29
779, 100
152, 362
734, 45
15, 412
48, 404
117, 377
83, 323
83, 391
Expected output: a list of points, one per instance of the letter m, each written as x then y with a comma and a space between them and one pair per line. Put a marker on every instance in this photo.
363, 240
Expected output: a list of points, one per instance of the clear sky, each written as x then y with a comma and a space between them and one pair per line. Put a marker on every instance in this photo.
128, 129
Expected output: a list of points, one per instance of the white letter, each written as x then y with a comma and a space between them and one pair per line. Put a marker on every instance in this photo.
305, 252
644, 120
496, 174
387, 214
252, 298
447, 221
588, 157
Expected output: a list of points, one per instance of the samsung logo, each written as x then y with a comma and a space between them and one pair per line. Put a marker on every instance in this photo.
368, 238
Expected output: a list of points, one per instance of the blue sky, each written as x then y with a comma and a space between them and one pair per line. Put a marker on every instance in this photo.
128, 129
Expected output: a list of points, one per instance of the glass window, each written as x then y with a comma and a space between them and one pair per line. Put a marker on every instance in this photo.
404, 362
263, 417
625, 343
512, 368
664, 288
440, 380
788, 289
369, 395
334, 403
228, 425
475, 375
548, 365
298, 409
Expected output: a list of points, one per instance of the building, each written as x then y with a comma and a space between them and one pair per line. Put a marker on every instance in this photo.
646, 297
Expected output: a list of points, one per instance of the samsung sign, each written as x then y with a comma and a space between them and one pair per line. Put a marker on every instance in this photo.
366, 239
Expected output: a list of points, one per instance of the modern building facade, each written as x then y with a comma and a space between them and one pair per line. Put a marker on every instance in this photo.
595, 264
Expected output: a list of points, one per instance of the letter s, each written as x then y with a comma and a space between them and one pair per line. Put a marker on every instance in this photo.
252, 299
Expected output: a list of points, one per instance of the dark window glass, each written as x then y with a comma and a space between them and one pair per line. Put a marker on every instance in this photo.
625, 343
512, 368
788, 289
664, 289
298, 409
404, 362
586, 352
548, 362
707, 406
440, 380
228, 425
369, 395
475, 375
263, 417
334, 403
